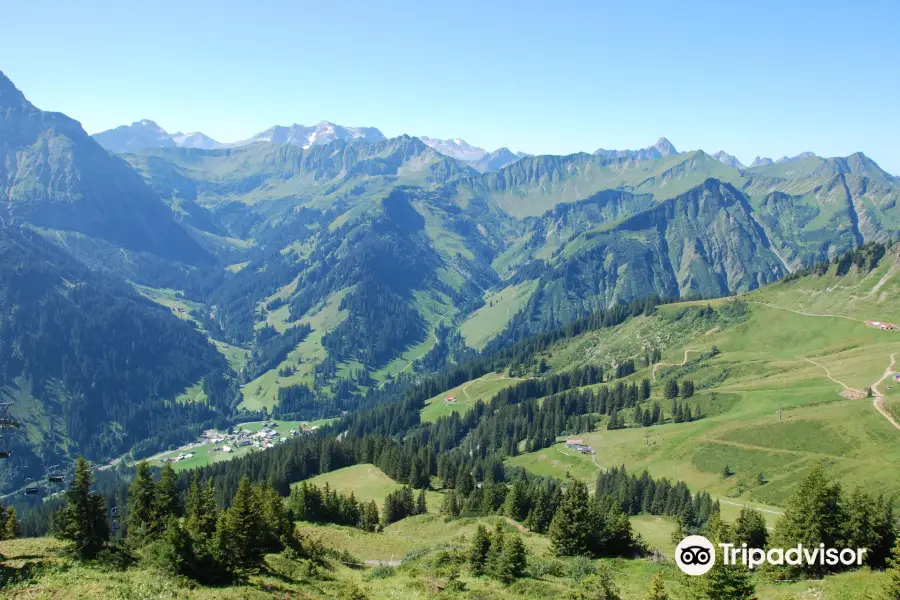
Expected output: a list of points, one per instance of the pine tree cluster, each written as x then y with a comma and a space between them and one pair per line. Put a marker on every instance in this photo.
325, 505
497, 555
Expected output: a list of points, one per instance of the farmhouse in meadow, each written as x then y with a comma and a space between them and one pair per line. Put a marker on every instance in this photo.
883, 326
579, 446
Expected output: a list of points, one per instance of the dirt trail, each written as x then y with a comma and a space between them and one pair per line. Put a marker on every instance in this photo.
878, 395
806, 314
828, 373
665, 364
771, 512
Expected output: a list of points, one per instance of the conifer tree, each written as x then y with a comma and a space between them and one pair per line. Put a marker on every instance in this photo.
723, 581
516, 504
421, 505
166, 501
492, 562
613, 419
885, 535
513, 560
541, 514
369, 517
814, 514
276, 528
671, 389
239, 529
645, 389
450, 505
174, 547
657, 588
687, 389
11, 524
571, 528
892, 583
140, 520
750, 528
82, 520
202, 510
478, 550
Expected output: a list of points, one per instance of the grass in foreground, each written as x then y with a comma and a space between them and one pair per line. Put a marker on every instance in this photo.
53, 576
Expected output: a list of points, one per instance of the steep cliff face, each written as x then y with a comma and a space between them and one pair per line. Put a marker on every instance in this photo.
713, 243
815, 208
705, 242
54, 175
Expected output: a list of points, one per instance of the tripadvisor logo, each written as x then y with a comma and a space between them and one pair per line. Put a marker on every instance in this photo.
696, 555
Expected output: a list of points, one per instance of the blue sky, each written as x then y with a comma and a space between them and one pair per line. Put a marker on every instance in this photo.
760, 78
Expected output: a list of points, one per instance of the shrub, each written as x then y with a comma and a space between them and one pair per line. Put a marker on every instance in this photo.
382, 572
544, 567
581, 567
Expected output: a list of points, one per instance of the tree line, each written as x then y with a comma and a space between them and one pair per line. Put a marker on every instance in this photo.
310, 503
195, 537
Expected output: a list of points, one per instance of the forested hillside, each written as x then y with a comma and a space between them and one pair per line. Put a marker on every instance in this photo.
91, 365
757, 402
334, 274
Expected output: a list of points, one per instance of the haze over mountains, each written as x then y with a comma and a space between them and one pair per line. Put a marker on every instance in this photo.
146, 134
325, 261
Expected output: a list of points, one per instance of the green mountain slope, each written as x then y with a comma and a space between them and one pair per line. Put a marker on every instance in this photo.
801, 346
54, 175
343, 266
597, 230
269, 173
91, 366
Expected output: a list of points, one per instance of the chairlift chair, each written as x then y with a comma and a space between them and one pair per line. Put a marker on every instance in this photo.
31, 487
7, 421
55, 475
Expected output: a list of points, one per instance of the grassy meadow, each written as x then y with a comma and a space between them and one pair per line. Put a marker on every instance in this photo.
368, 482
775, 358
467, 394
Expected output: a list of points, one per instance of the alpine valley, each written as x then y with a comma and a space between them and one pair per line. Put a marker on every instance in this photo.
153, 285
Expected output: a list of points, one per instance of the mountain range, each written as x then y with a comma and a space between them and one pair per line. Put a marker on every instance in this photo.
147, 135
336, 261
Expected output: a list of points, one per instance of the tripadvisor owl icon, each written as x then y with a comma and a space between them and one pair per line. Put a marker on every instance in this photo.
695, 555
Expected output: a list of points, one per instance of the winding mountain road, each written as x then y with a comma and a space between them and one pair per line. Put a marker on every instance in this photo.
879, 397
